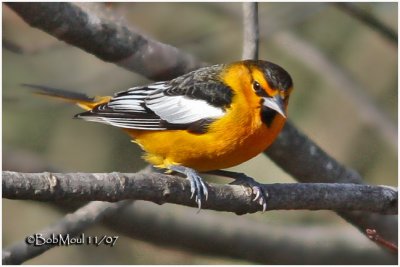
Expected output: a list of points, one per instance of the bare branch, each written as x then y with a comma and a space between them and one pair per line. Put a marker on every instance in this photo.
243, 238
250, 30
161, 188
367, 110
181, 231
71, 224
370, 20
386, 225
106, 39
123, 42
307, 162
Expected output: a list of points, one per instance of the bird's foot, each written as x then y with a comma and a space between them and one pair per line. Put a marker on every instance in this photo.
242, 179
197, 187
260, 194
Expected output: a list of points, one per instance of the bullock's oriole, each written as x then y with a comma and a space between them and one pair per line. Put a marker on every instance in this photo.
209, 119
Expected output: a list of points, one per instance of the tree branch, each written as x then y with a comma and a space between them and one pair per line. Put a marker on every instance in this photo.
293, 149
307, 162
161, 188
107, 40
144, 220
370, 20
243, 238
250, 30
72, 224
386, 225
311, 57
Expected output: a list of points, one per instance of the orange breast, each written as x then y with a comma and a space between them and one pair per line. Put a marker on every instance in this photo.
235, 138
231, 140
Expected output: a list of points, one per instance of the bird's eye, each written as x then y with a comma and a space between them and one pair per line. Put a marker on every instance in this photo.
257, 87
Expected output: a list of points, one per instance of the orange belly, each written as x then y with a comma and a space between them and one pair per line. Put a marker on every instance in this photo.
226, 144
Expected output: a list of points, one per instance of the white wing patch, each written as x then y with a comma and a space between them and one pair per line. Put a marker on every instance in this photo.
181, 109
148, 108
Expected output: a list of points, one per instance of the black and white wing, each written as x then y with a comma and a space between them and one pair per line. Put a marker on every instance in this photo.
165, 105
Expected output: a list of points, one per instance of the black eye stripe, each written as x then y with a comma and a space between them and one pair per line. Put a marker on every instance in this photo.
259, 90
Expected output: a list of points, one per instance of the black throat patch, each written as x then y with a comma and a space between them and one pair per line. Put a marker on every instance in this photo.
268, 115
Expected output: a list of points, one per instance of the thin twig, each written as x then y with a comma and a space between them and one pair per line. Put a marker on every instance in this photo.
369, 20
161, 188
250, 30
364, 107
312, 57
373, 235
72, 225
29, 50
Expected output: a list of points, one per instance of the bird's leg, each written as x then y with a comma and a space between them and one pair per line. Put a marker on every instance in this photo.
197, 186
261, 194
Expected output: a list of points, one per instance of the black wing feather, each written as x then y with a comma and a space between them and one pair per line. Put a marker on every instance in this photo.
162, 105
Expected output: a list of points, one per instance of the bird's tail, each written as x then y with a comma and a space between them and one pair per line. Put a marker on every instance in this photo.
82, 100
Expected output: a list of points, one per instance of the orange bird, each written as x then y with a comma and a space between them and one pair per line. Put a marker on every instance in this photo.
203, 121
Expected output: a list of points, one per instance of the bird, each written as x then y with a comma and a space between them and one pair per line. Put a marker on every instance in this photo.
204, 121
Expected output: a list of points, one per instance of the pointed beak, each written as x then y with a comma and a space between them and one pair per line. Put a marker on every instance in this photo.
275, 103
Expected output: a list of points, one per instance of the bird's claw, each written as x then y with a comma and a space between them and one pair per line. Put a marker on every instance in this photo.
197, 187
261, 195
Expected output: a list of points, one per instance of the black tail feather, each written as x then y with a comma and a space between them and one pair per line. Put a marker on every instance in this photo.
49, 91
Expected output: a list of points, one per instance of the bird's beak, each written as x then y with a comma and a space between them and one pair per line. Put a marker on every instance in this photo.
275, 103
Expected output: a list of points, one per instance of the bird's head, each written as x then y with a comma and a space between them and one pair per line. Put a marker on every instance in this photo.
265, 85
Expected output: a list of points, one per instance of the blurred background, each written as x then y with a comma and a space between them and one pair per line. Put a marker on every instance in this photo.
345, 99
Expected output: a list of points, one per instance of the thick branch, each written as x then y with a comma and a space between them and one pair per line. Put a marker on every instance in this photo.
193, 235
316, 165
144, 220
108, 40
72, 224
161, 188
384, 224
307, 162
243, 238
250, 30
311, 57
